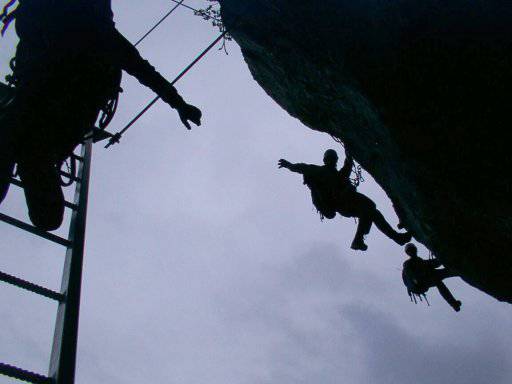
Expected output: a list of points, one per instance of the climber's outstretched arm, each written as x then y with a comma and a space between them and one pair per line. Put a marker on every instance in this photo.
297, 167
132, 62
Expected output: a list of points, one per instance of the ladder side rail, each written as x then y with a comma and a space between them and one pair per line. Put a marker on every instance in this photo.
63, 357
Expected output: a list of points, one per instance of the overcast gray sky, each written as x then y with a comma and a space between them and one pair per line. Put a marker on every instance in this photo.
206, 264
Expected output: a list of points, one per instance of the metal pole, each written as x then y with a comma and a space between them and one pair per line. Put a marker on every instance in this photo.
63, 358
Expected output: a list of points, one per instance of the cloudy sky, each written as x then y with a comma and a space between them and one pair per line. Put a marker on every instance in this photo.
206, 264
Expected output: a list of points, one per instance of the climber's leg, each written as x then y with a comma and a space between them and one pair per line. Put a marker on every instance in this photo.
363, 228
441, 274
358, 205
447, 295
45, 200
362, 207
385, 228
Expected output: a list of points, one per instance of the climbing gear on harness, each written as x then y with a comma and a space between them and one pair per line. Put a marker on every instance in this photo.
357, 170
418, 297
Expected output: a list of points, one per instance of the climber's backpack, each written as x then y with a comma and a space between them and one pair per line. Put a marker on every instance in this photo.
320, 198
415, 276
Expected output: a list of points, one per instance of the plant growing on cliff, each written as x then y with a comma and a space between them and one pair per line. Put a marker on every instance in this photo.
212, 14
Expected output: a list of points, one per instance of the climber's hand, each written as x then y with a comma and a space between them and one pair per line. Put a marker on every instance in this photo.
284, 163
188, 113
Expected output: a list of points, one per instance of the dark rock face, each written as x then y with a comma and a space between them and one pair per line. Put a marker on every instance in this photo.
419, 91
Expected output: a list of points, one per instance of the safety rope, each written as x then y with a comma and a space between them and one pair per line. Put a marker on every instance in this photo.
117, 137
152, 29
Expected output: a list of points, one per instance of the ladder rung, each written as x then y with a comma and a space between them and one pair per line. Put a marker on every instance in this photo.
67, 204
34, 230
77, 157
20, 283
69, 176
21, 374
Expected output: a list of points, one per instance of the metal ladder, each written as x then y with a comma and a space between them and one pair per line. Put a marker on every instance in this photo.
63, 355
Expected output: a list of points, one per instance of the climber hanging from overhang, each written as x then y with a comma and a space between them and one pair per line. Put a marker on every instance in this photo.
67, 70
333, 192
420, 275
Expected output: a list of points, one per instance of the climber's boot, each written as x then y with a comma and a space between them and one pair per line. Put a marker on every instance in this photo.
43, 193
402, 238
358, 244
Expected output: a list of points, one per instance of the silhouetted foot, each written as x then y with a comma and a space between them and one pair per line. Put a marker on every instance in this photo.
456, 306
403, 238
43, 193
400, 226
359, 245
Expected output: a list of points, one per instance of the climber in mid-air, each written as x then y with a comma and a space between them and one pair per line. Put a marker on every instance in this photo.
420, 275
332, 191
67, 69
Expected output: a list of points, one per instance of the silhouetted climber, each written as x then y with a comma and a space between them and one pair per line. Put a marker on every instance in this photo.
67, 69
332, 191
420, 275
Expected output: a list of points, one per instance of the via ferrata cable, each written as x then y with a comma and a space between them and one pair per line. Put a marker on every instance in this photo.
117, 137
178, 3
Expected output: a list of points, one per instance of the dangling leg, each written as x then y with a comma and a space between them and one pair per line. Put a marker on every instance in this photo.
385, 228
357, 205
363, 228
369, 208
444, 273
362, 207
447, 295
